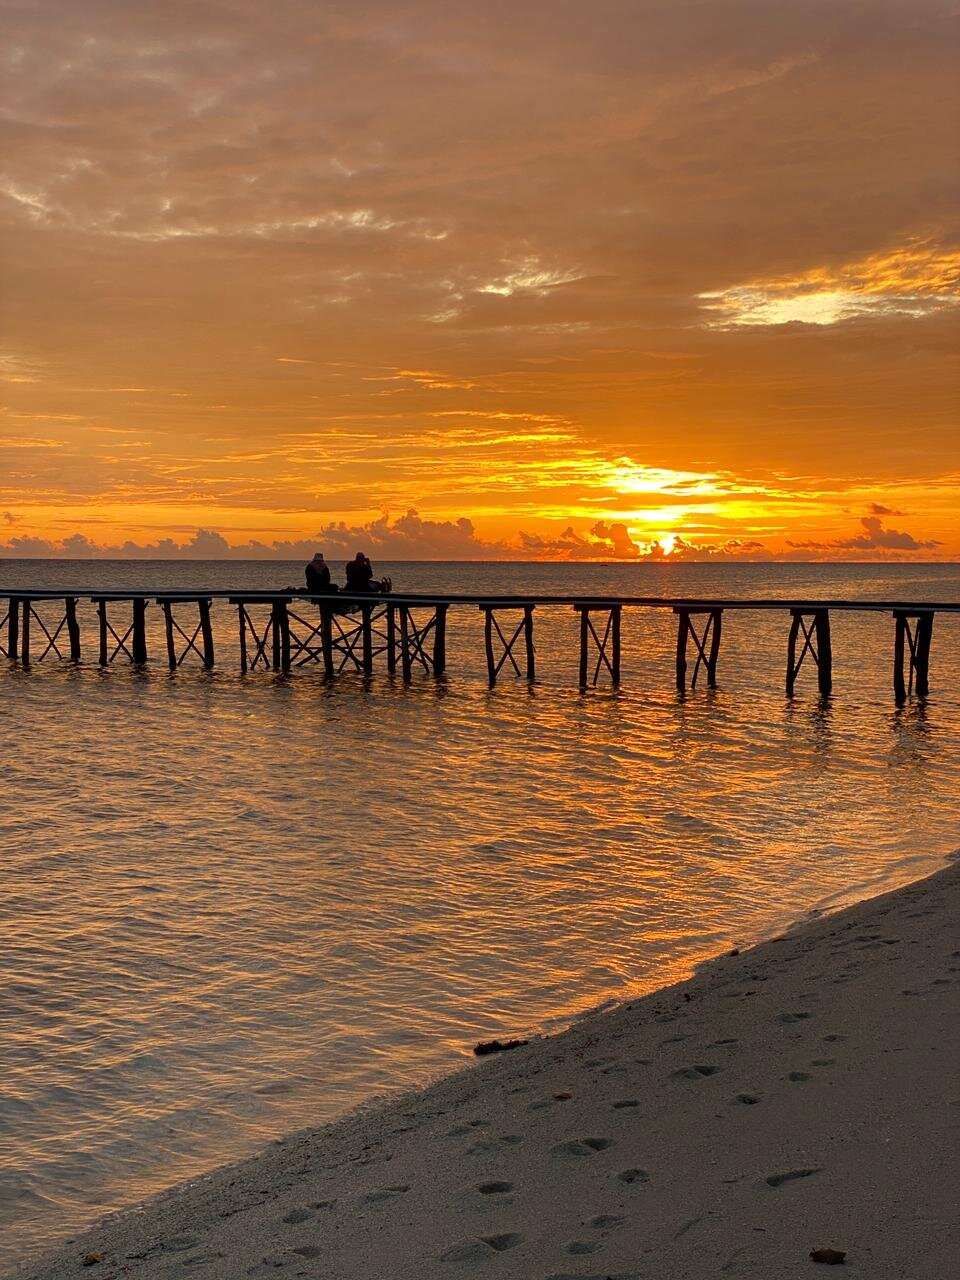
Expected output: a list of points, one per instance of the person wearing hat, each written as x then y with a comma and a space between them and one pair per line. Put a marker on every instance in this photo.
317, 574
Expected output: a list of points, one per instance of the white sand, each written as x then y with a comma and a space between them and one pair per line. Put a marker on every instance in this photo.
804, 1094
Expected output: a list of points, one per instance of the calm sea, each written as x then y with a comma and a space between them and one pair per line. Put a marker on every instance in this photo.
234, 906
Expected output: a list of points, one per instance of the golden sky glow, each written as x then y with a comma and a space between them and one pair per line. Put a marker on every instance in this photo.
538, 279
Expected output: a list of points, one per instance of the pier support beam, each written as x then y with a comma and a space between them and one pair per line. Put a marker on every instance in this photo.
73, 627
706, 656
916, 640
203, 632
414, 636
607, 648
50, 631
524, 628
343, 636
10, 630
133, 641
255, 635
814, 626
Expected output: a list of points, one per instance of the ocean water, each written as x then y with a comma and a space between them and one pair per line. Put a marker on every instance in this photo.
233, 906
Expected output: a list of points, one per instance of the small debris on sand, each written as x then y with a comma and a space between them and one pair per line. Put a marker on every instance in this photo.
832, 1257
497, 1046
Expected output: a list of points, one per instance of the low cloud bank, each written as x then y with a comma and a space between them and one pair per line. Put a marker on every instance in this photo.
411, 537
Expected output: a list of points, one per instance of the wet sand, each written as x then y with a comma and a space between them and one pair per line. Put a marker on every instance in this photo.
803, 1095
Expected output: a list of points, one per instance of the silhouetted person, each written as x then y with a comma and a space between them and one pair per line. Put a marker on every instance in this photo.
360, 574
317, 574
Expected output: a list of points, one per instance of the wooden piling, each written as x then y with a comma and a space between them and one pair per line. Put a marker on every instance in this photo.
824, 653
242, 616
280, 627
206, 632
584, 645
104, 656
326, 639
405, 663
139, 651
366, 614
488, 644
615, 672
528, 639
26, 607
440, 640
716, 622
13, 628
167, 608
683, 626
391, 638
73, 627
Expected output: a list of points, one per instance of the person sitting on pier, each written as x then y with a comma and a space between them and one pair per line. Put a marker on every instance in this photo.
360, 576
317, 574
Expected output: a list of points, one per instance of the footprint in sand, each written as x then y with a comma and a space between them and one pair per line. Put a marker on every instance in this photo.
747, 1099
799, 1076
792, 1175
385, 1193
626, 1102
633, 1175
584, 1246
481, 1247
695, 1072
511, 1138
603, 1221
298, 1215
494, 1188
308, 1251
794, 1017
180, 1244
577, 1149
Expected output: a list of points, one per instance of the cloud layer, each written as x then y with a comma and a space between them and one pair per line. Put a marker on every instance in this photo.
269, 268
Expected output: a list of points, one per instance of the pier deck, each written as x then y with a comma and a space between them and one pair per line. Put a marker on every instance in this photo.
285, 629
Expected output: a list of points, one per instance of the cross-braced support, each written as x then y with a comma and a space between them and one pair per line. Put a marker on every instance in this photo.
62, 637
203, 632
814, 626
414, 636
686, 626
606, 647
524, 628
916, 640
133, 641
264, 642
354, 639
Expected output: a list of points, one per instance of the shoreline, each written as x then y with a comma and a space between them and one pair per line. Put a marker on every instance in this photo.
727, 1124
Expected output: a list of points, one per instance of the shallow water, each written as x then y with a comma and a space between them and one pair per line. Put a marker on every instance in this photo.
234, 905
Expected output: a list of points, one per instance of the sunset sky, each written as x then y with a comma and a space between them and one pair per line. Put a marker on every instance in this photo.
536, 278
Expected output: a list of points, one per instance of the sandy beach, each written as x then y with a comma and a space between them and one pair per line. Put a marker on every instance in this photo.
800, 1096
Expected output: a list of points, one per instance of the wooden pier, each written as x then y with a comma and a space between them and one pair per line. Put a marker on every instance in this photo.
285, 630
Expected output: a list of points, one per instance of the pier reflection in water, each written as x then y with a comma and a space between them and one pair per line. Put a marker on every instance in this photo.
233, 905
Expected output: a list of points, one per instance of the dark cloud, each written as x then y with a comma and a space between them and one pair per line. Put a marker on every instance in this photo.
876, 538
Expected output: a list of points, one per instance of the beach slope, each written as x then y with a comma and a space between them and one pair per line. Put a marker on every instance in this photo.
801, 1096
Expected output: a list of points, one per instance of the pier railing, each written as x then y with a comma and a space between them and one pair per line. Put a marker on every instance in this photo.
284, 630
